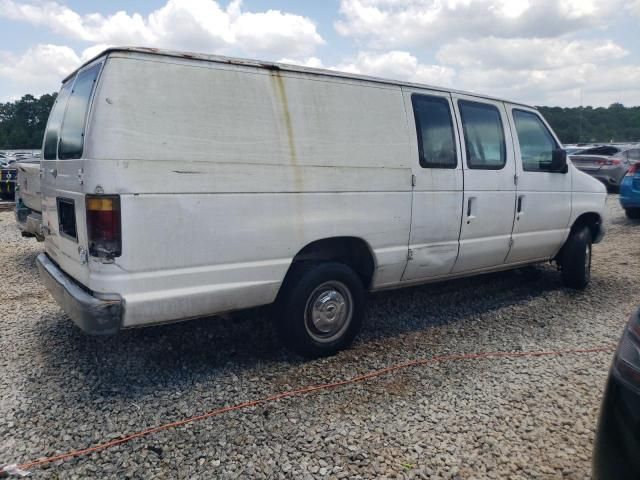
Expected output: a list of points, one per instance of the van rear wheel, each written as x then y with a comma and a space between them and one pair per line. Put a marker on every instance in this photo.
576, 259
321, 308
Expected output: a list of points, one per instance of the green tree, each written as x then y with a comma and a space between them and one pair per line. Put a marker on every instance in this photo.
22, 122
616, 123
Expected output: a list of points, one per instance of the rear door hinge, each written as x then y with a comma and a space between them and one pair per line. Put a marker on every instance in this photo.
515, 179
409, 254
413, 180
510, 242
81, 176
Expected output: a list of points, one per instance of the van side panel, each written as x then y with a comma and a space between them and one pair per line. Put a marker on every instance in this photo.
226, 172
181, 111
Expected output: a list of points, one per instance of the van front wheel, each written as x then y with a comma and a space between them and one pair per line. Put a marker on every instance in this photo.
321, 309
576, 259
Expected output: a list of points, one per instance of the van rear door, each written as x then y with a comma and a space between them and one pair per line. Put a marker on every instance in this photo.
63, 209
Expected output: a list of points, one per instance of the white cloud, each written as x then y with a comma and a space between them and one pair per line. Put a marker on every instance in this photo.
528, 50
39, 70
93, 51
531, 53
200, 25
312, 62
276, 32
562, 86
397, 65
543, 71
634, 7
393, 23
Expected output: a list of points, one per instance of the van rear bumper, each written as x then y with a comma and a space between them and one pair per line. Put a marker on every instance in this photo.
93, 315
29, 221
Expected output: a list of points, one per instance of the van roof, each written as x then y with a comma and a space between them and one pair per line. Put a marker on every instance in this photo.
282, 67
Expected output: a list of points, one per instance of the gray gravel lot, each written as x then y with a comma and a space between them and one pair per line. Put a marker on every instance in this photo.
490, 418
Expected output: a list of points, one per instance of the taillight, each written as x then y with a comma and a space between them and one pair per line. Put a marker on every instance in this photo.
613, 161
633, 169
626, 364
103, 226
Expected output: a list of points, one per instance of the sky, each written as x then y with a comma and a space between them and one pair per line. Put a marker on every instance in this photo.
542, 52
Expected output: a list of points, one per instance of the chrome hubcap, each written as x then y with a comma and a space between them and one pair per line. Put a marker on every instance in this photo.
328, 311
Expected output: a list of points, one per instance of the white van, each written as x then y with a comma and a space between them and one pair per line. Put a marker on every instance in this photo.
181, 185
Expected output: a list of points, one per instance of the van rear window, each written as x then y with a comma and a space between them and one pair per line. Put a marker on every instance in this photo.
55, 119
72, 135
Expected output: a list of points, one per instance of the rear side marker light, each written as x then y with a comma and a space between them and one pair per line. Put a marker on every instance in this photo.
104, 226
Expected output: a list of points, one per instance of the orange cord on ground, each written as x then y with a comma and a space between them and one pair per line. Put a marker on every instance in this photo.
302, 391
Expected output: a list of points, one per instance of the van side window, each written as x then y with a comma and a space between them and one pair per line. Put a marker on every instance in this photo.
55, 119
536, 143
72, 134
434, 128
483, 135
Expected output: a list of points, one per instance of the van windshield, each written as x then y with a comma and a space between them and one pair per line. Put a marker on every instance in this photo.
73, 125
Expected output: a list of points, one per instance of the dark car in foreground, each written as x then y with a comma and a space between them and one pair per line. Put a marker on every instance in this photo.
616, 453
607, 163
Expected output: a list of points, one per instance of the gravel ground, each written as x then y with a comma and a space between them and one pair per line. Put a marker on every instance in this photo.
492, 418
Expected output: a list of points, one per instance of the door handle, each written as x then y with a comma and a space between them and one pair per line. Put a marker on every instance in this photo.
520, 205
470, 203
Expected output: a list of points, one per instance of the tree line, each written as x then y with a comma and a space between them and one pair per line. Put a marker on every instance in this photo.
616, 123
23, 121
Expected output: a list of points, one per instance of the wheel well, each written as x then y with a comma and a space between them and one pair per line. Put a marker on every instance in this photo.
351, 251
591, 220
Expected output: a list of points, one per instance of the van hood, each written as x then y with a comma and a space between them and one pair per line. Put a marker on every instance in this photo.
583, 182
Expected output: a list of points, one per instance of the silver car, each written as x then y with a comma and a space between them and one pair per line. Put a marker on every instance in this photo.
607, 163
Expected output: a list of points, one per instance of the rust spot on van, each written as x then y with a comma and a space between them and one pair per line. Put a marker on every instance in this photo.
281, 95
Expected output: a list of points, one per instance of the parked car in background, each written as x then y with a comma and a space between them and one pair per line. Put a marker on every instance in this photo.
8, 176
573, 148
630, 192
607, 163
310, 188
28, 209
616, 453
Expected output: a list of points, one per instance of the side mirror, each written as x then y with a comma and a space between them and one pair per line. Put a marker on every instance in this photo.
559, 161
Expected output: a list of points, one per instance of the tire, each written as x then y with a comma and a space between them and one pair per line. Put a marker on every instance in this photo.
632, 213
320, 309
576, 259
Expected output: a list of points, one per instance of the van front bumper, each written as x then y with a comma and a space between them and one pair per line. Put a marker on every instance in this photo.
95, 316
